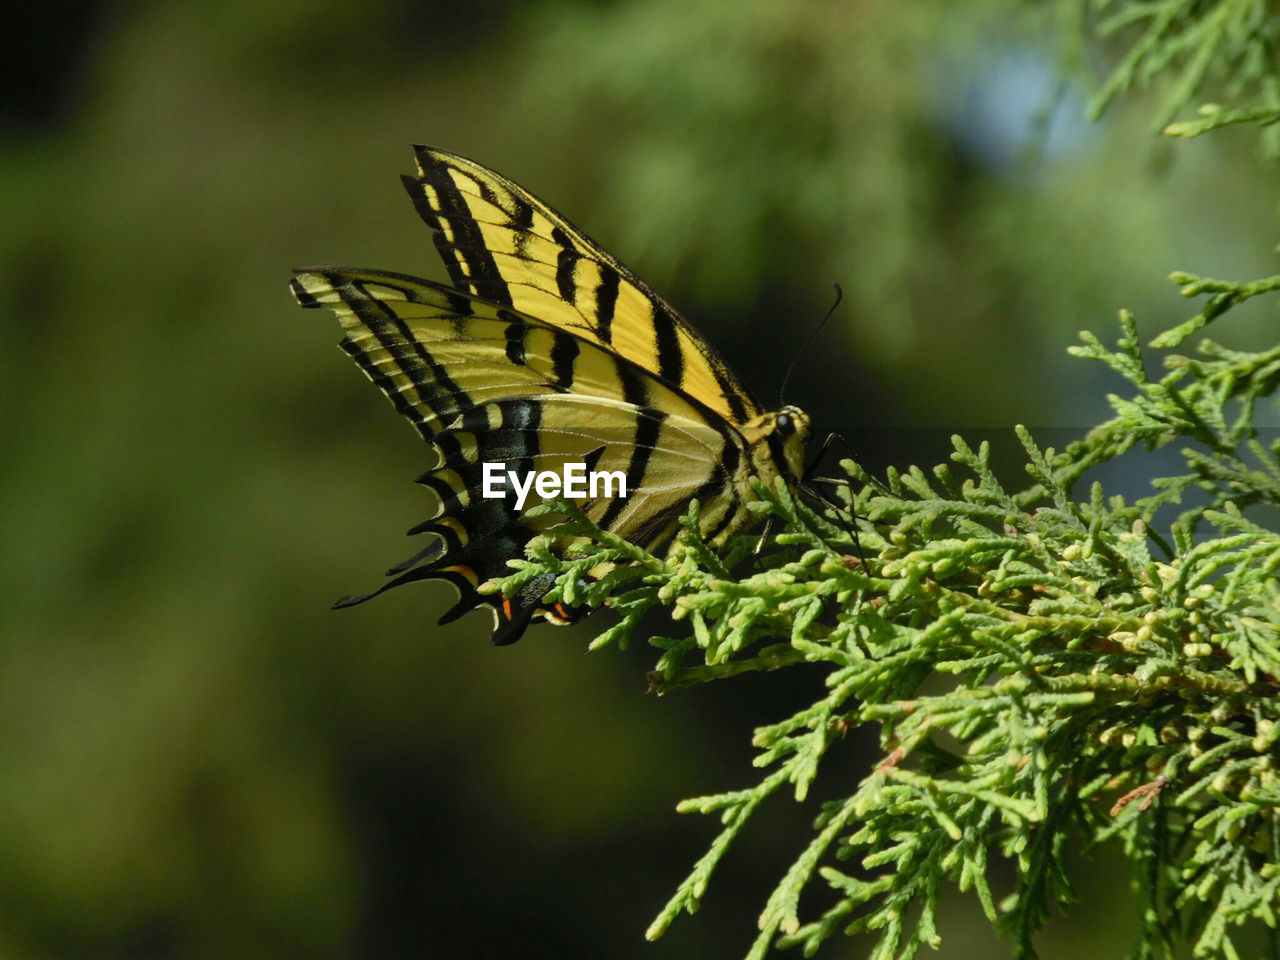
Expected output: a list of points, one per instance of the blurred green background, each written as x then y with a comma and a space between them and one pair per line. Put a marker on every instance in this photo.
198, 758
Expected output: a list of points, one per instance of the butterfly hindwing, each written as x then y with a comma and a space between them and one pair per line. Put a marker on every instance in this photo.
484, 383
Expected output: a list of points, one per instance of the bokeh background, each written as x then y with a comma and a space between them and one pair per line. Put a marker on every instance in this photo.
199, 759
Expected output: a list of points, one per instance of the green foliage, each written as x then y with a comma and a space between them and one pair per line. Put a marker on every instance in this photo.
1047, 673
1049, 669
1232, 44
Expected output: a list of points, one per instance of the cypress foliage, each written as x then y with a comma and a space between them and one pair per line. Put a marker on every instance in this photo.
1049, 667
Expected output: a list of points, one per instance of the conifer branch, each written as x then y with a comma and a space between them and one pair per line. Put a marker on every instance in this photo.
1089, 682
1094, 676
1048, 667
1230, 46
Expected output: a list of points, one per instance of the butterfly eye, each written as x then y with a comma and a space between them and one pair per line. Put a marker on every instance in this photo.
785, 424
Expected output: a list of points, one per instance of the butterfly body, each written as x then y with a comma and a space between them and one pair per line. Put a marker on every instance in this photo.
546, 352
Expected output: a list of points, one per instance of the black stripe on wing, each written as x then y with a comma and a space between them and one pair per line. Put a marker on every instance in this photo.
458, 235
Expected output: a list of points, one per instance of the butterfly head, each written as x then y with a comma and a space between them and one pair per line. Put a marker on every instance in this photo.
777, 442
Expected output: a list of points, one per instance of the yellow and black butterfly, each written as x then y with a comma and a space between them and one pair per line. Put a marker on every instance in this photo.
545, 351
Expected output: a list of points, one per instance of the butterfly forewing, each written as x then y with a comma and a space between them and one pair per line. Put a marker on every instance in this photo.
505, 245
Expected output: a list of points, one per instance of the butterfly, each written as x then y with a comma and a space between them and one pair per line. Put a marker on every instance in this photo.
545, 351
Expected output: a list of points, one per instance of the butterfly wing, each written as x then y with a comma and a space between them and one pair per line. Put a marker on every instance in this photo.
503, 244
484, 382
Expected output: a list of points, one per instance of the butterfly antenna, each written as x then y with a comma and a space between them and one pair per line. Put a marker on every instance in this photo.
810, 478
816, 330
823, 502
